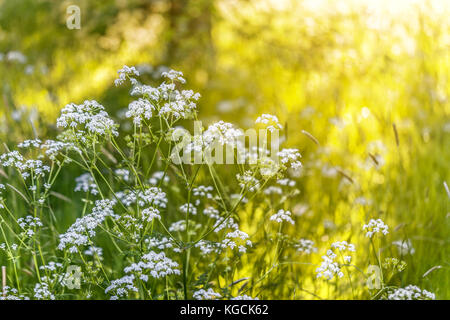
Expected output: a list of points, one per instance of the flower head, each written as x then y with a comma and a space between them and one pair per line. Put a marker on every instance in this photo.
374, 227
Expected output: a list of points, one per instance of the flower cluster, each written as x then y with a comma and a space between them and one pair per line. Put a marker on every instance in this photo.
305, 246
124, 174
232, 239
78, 234
270, 121
282, 215
126, 72
411, 292
161, 244
174, 75
404, 247
51, 266
209, 294
374, 227
223, 133
89, 118
12, 294
148, 214
139, 110
120, 288
244, 297
42, 292
86, 183
153, 196
157, 264
29, 224
330, 266
27, 168
290, 156
248, 181
182, 104
157, 177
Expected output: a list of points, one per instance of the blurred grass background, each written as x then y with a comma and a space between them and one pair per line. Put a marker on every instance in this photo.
347, 72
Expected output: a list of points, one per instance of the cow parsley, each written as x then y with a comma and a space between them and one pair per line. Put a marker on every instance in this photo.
89, 117
330, 265
126, 73
79, 233
374, 227
270, 121
411, 292
86, 183
209, 294
281, 216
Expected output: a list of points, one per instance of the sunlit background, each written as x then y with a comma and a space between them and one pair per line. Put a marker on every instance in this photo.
368, 79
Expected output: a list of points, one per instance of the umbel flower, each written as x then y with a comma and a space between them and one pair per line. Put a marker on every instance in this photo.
79, 233
281, 216
269, 121
88, 118
374, 227
331, 266
411, 292
209, 294
126, 73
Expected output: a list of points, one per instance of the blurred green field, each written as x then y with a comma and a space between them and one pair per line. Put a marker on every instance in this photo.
368, 79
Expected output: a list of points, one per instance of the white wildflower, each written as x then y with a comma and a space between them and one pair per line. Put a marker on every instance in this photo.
281, 216
404, 247
51, 266
90, 116
305, 245
209, 294
330, 266
29, 224
156, 264
157, 177
153, 196
123, 173
374, 227
94, 251
121, 287
148, 214
286, 182
86, 183
411, 292
244, 297
30, 143
290, 156
78, 234
178, 226
248, 181
270, 121
42, 292
12, 294
174, 75
124, 73
188, 207
139, 110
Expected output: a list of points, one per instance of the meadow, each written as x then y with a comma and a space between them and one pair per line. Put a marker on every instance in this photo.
101, 196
